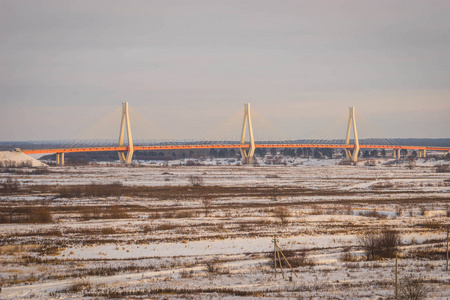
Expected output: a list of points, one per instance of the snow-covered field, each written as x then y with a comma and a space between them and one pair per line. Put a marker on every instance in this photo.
104, 231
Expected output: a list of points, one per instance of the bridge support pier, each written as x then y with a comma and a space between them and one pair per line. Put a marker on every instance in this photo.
125, 121
247, 155
60, 159
423, 153
353, 157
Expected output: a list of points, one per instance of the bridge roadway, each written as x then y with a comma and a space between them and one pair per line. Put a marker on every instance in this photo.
228, 146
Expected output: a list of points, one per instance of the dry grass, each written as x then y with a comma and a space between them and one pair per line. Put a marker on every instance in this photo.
382, 245
374, 214
184, 214
214, 267
349, 257
296, 258
17, 249
78, 286
92, 190
39, 215
167, 226
114, 293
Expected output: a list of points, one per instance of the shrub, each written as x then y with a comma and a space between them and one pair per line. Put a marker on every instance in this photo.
196, 180
282, 213
298, 258
316, 210
117, 212
443, 169
411, 163
412, 288
432, 224
77, 287
186, 274
9, 185
348, 209
73, 192
399, 211
374, 214
207, 205
349, 257
383, 245
272, 176
216, 267
370, 163
90, 212
166, 226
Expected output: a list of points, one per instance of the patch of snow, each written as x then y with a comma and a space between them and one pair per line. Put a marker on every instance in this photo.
18, 158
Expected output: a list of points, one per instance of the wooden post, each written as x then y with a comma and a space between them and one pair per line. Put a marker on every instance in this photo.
396, 276
281, 266
275, 254
287, 262
447, 249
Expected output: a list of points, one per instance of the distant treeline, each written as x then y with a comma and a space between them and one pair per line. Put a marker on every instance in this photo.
424, 142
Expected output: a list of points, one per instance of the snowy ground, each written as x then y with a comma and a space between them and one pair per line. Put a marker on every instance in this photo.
158, 236
17, 159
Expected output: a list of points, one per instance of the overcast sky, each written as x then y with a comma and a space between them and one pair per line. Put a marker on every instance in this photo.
189, 65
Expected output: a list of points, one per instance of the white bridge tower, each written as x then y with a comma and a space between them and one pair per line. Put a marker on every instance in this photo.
247, 155
126, 120
351, 120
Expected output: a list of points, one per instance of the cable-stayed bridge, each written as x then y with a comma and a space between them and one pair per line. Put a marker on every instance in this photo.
233, 133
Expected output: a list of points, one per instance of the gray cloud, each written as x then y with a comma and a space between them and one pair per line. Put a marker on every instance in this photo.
299, 62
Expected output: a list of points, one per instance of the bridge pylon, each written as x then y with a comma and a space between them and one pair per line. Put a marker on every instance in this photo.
247, 155
60, 159
352, 156
126, 121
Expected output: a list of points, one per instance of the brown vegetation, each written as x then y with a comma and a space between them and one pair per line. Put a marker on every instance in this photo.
9, 185
92, 190
413, 288
382, 245
27, 215
282, 213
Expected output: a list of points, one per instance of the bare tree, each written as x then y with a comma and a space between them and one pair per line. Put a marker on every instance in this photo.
411, 163
368, 241
207, 205
282, 213
196, 180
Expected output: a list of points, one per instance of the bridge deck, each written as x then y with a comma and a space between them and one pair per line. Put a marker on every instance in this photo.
227, 146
